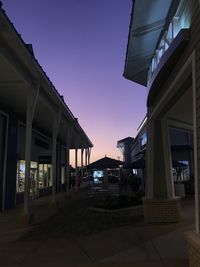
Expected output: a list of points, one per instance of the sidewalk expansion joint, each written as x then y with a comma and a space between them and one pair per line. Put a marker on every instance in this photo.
39, 245
157, 252
84, 251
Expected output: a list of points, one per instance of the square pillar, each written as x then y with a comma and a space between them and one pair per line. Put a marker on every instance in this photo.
82, 151
55, 130
160, 204
76, 170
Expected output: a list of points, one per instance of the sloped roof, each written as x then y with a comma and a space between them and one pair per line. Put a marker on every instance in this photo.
20, 69
105, 163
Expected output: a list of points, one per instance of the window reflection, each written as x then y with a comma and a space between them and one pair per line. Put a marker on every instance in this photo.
40, 177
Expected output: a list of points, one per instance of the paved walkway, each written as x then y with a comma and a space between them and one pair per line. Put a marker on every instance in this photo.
48, 242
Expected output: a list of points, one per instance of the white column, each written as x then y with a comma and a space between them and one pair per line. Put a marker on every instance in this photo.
82, 151
55, 129
76, 169
27, 162
32, 98
159, 184
67, 168
69, 132
167, 158
86, 157
77, 144
53, 165
89, 154
149, 164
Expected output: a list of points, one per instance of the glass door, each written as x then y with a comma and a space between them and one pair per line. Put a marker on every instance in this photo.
33, 180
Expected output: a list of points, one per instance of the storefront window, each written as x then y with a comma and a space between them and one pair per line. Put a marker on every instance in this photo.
20, 183
135, 171
182, 172
40, 176
20, 176
44, 175
143, 140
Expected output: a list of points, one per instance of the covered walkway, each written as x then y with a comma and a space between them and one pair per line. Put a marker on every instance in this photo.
131, 244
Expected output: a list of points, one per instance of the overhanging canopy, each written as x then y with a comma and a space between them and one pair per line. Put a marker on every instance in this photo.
141, 164
149, 19
20, 70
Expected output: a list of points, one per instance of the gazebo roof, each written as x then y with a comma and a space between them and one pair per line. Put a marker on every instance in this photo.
105, 163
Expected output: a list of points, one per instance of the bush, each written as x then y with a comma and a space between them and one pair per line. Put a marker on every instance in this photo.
123, 201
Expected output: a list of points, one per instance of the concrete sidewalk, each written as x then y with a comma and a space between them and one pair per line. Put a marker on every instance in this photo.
133, 245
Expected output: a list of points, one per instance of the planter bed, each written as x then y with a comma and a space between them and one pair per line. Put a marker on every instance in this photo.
133, 211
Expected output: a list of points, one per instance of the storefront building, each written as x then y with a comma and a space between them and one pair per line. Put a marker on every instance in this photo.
163, 54
181, 144
37, 129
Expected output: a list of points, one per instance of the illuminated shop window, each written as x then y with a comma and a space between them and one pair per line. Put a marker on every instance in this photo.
143, 140
44, 179
182, 173
135, 171
20, 181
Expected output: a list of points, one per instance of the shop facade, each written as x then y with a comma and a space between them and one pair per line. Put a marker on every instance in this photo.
37, 129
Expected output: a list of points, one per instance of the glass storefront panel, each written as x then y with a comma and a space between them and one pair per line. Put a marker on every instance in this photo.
44, 179
42, 171
20, 183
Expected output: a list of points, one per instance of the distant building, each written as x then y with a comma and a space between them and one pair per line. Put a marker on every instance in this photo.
125, 146
181, 143
37, 129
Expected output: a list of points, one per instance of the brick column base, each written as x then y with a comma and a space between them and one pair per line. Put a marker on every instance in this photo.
193, 243
162, 210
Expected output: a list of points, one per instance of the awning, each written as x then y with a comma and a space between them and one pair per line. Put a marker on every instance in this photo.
148, 20
141, 164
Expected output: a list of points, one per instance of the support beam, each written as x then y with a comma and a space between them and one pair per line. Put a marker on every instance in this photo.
55, 130
69, 132
149, 176
77, 144
32, 98
167, 158
82, 151
86, 157
160, 204
76, 169
89, 154
67, 181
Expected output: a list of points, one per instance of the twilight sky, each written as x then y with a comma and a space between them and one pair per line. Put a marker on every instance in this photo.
81, 45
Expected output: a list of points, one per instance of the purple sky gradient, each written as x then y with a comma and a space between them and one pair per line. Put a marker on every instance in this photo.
81, 45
